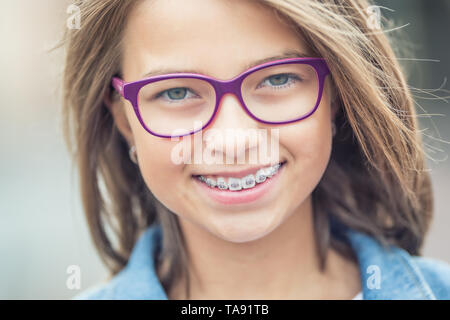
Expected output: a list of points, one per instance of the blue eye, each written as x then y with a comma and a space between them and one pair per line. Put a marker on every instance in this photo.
175, 94
280, 81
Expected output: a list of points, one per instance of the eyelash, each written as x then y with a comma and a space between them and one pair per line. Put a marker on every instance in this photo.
171, 101
287, 85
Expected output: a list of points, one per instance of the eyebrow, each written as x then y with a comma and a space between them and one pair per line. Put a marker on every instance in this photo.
291, 53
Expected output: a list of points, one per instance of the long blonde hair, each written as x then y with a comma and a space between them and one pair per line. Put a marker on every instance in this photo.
375, 182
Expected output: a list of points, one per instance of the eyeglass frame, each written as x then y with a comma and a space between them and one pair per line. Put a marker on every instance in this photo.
130, 90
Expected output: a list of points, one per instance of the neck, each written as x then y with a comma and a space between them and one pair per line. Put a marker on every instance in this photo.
281, 265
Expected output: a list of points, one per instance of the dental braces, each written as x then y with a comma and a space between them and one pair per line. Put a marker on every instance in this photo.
236, 184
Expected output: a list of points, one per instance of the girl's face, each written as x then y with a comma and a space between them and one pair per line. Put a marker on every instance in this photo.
221, 38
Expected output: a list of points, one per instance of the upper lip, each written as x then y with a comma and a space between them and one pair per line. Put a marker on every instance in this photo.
232, 173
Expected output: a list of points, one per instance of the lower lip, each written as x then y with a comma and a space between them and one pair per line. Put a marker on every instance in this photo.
243, 196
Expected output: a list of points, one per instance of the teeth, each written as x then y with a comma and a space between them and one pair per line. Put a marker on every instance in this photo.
210, 182
234, 184
267, 172
221, 184
261, 175
247, 182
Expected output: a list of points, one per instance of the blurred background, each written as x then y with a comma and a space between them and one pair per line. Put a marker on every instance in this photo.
42, 227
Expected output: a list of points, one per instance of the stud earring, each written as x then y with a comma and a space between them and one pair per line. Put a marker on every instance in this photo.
133, 155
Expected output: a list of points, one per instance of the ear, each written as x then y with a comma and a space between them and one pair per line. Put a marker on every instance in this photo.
116, 107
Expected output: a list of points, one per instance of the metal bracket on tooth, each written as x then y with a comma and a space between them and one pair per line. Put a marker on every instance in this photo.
234, 184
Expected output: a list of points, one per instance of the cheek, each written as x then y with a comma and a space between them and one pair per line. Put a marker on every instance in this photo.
308, 143
166, 179
158, 170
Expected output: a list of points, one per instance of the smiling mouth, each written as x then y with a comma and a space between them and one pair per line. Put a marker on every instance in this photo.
237, 184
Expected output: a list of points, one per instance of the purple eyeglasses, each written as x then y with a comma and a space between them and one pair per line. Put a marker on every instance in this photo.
277, 92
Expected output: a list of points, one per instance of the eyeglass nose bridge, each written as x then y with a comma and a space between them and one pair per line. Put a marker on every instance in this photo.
233, 86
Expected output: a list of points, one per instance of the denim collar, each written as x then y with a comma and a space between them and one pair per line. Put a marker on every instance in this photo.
400, 277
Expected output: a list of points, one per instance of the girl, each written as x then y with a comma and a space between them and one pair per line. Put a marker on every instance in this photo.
341, 210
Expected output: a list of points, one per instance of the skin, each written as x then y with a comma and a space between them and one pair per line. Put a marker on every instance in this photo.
266, 249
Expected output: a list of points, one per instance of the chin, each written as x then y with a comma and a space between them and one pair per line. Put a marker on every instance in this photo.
245, 229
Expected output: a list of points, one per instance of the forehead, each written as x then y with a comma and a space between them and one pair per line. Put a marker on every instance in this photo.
220, 36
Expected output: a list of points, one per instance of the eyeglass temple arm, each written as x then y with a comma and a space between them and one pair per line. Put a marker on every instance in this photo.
118, 84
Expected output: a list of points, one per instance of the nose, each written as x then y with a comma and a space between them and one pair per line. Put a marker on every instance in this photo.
232, 133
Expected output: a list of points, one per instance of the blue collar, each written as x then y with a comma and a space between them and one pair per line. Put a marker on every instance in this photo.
400, 277
398, 274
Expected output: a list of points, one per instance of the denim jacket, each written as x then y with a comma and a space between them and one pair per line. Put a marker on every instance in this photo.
387, 273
